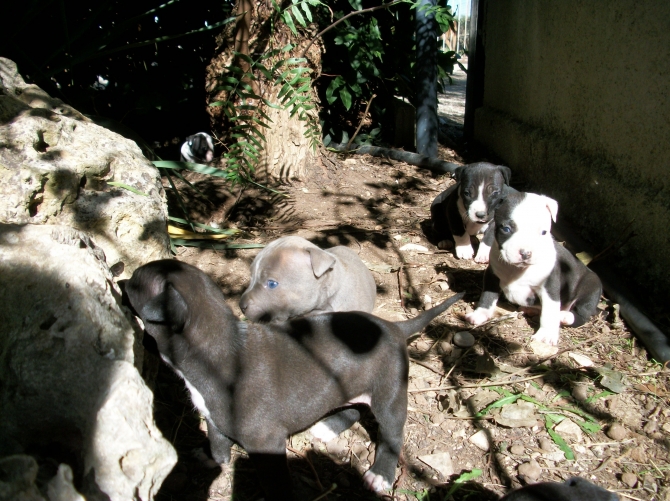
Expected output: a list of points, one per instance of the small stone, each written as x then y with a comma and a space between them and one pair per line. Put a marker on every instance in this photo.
530, 470
666, 427
569, 430
480, 440
650, 427
630, 479
378, 227
413, 311
638, 454
444, 347
546, 444
517, 449
543, 350
437, 418
580, 392
441, 462
617, 432
518, 415
444, 286
427, 301
464, 339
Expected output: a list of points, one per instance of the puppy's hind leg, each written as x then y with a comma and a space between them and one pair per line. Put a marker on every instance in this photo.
586, 304
218, 443
390, 415
331, 426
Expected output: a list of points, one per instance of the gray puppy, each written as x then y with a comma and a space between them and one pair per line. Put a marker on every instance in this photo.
256, 384
292, 277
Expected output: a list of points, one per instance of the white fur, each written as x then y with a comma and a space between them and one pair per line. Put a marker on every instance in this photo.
375, 483
196, 397
322, 431
463, 247
478, 204
483, 253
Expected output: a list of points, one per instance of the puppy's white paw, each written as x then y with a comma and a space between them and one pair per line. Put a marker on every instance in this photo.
483, 254
464, 251
479, 316
322, 432
374, 482
567, 318
548, 336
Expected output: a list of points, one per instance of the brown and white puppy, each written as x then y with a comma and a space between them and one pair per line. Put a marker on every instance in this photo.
256, 384
466, 208
292, 277
529, 267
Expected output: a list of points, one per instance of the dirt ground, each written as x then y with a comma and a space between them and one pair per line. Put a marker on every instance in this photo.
481, 419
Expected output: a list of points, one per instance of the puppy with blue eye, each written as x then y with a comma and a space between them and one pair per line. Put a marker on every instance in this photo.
292, 277
466, 209
531, 269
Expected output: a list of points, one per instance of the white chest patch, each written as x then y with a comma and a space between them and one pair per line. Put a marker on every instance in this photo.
196, 397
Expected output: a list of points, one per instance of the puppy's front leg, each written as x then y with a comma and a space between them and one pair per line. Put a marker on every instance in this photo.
273, 474
218, 443
487, 301
463, 248
550, 316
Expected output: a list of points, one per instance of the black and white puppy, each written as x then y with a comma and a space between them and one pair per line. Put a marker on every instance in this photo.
573, 489
257, 384
467, 208
530, 268
198, 148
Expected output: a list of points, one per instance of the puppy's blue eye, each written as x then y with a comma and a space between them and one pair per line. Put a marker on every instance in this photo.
272, 284
505, 229
544, 232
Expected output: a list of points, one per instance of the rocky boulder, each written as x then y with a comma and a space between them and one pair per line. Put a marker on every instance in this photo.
74, 409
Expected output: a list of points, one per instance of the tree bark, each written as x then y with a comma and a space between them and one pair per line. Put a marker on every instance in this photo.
287, 153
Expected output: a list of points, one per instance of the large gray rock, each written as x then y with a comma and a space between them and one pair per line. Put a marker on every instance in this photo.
56, 166
68, 366
69, 353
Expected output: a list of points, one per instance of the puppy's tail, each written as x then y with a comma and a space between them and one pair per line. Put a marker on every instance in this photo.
409, 327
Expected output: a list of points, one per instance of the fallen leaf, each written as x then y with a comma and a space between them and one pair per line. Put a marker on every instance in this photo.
413, 247
584, 257
582, 360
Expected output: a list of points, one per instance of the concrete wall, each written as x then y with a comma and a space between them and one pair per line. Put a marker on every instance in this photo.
576, 100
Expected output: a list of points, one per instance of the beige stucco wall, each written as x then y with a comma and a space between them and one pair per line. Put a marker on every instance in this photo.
576, 101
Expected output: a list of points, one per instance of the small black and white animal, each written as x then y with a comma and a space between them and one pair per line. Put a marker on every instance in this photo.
257, 384
573, 489
198, 148
530, 268
467, 208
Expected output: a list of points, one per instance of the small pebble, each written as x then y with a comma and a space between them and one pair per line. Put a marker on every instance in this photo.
531, 470
617, 432
650, 427
580, 392
444, 286
546, 444
464, 339
517, 449
630, 479
480, 440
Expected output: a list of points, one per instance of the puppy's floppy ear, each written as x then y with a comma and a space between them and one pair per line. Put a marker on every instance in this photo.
168, 307
506, 172
322, 261
458, 172
552, 206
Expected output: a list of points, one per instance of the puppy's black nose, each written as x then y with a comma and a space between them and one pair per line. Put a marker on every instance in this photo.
525, 254
480, 215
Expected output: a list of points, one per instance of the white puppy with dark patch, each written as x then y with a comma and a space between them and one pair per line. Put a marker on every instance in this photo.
198, 148
529, 267
467, 208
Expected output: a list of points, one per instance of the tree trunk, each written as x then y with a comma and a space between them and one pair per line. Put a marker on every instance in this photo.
287, 153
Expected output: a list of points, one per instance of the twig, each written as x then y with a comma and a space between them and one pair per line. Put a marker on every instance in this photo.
498, 383
316, 476
321, 496
602, 466
360, 124
402, 301
427, 366
362, 11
